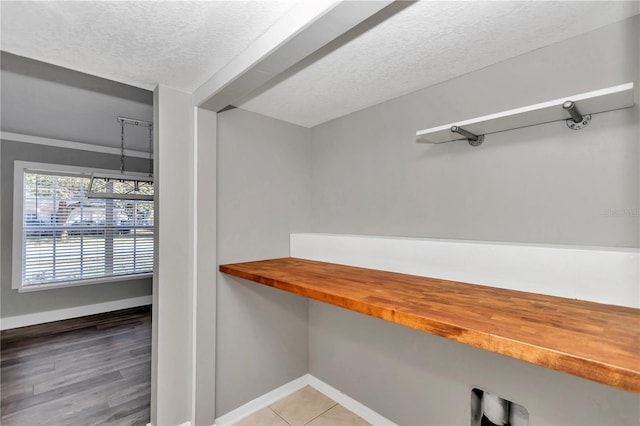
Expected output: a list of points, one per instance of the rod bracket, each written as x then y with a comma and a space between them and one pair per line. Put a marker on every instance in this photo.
473, 139
577, 120
135, 122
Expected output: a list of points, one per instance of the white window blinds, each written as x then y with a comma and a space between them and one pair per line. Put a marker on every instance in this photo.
67, 237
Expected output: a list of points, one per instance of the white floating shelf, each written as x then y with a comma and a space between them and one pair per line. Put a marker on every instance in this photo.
609, 99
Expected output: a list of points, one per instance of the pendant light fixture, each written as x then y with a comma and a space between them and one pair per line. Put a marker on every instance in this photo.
122, 186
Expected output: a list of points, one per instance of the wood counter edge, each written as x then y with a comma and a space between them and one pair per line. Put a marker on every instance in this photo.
592, 369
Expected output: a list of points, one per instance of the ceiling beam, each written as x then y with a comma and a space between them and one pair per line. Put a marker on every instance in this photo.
303, 30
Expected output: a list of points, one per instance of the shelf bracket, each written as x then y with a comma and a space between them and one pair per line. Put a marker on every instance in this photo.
473, 139
577, 120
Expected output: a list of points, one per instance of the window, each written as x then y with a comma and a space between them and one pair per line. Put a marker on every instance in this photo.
63, 238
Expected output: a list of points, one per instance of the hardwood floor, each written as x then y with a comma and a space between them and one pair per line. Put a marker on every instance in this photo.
94, 370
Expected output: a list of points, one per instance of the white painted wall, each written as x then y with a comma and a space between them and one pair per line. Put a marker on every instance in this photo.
263, 182
172, 364
597, 274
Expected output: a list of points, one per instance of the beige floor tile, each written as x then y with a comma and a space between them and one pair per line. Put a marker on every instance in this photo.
338, 416
264, 417
303, 406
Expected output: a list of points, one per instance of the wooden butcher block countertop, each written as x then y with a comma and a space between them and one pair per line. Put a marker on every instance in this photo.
591, 340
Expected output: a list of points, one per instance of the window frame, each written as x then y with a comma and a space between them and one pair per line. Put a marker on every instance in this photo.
17, 259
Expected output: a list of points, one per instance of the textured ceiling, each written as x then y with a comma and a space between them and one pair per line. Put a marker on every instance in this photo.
182, 44
142, 43
424, 44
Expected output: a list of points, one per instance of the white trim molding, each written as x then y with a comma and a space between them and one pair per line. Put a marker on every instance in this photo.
263, 401
18, 253
183, 424
349, 403
75, 312
287, 389
82, 146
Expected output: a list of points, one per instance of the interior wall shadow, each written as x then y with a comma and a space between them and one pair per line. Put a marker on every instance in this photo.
45, 71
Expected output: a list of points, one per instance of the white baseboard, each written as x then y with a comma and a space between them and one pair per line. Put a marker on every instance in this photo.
68, 313
263, 401
349, 403
283, 391
183, 424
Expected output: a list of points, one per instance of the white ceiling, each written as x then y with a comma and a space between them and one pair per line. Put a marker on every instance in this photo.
142, 43
182, 44
424, 44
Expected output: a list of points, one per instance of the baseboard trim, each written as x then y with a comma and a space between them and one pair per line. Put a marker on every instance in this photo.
349, 403
183, 424
263, 401
283, 391
68, 313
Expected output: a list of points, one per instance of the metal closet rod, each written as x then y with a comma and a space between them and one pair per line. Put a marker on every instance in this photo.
472, 138
135, 122
576, 122
572, 109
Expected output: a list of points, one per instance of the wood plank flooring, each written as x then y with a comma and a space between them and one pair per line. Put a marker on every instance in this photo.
94, 370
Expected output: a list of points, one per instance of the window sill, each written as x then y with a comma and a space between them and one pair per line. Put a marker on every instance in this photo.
91, 281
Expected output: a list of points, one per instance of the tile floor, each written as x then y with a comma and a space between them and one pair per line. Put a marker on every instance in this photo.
306, 407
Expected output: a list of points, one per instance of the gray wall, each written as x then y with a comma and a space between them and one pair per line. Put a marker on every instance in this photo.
263, 181
40, 99
14, 303
543, 184
418, 379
